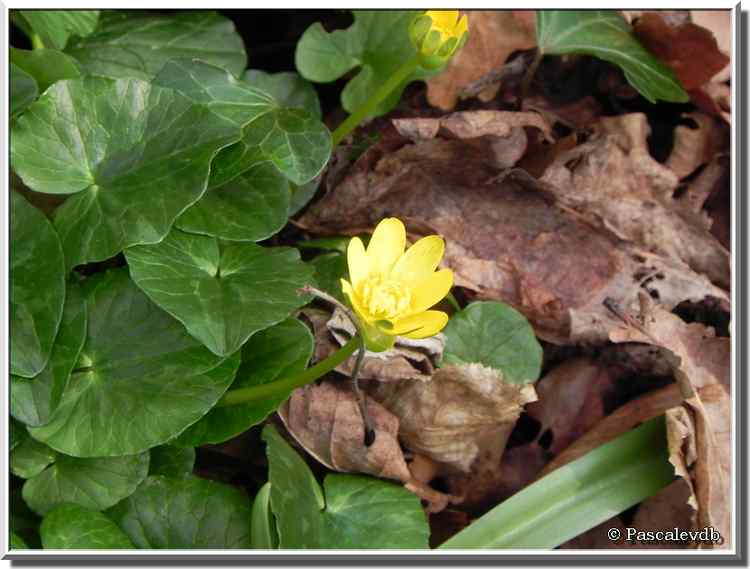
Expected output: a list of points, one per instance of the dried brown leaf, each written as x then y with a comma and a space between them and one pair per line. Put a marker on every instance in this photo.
695, 146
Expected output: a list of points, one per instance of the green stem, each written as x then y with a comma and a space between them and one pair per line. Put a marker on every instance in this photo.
257, 392
394, 81
36, 41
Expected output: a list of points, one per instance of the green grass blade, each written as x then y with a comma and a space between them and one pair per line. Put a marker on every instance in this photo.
577, 496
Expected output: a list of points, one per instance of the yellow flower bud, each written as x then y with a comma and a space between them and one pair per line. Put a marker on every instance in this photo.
392, 289
437, 34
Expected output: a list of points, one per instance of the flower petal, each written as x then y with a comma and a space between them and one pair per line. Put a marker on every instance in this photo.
386, 246
444, 20
348, 291
356, 258
431, 290
421, 325
420, 260
462, 27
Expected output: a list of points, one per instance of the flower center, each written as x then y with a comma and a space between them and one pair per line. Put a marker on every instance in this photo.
385, 299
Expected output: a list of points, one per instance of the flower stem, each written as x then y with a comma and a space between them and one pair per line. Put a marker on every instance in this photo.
276, 388
393, 82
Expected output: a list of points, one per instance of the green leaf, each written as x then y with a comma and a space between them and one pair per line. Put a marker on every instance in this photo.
22, 521
171, 460
339, 244
377, 43
295, 142
17, 435
223, 294
93, 483
301, 195
288, 88
30, 457
135, 155
262, 527
276, 353
23, 90
37, 287
140, 381
357, 512
607, 35
55, 27
72, 527
329, 270
252, 207
497, 336
578, 496
185, 513
138, 44
46, 66
16, 542
33, 401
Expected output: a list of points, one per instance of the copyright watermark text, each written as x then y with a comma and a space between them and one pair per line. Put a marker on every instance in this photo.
675, 535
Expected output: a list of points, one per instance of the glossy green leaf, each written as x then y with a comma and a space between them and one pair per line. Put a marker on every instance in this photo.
37, 287
607, 35
16, 542
17, 435
135, 155
578, 496
23, 89
138, 44
141, 378
330, 268
377, 44
293, 140
46, 66
30, 457
70, 526
252, 207
287, 88
262, 526
55, 27
497, 336
185, 513
301, 195
357, 512
222, 293
171, 460
33, 401
93, 483
276, 353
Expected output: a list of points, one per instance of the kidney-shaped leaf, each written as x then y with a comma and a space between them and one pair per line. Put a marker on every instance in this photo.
136, 156
37, 287
32, 401
288, 88
497, 336
46, 66
94, 483
70, 526
222, 293
172, 460
357, 512
30, 457
185, 513
141, 378
275, 353
55, 27
605, 34
138, 44
23, 89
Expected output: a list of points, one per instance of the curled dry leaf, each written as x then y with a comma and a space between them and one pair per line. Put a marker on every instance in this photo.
613, 180
510, 238
494, 36
719, 23
695, 146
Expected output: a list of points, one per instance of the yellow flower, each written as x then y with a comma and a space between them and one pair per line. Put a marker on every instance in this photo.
437, 34
392, 290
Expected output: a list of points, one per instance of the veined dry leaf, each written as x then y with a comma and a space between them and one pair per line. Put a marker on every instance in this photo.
614, 181
494, 36
694, 147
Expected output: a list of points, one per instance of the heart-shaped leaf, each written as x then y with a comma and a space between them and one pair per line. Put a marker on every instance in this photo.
23, 89
330, 268
356, 512
72, 527
141, 378
223, 294
37, 287
138, 44
497, 336
33, 401
287, 88
93, 483
137, 156
171, 460
605, 34
46, 66
185, 513
275, 353
55, 27
30, 457
377, 43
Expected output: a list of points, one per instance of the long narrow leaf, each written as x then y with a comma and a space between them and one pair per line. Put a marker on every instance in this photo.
577, 496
